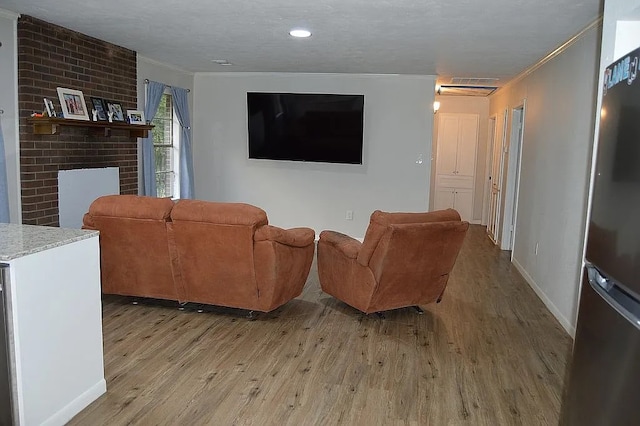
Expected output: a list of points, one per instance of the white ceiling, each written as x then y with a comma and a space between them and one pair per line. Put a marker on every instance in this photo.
462, 38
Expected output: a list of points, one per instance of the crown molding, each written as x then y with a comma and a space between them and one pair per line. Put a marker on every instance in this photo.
9, 14
554, 53
162, 64
310, 74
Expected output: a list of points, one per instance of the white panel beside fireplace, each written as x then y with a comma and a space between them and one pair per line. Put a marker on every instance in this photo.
78, 188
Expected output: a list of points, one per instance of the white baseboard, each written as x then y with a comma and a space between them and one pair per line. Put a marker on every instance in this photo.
566, 324
80, 403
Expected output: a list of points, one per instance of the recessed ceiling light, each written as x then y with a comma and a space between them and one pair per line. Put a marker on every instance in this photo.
221, 62
300, 33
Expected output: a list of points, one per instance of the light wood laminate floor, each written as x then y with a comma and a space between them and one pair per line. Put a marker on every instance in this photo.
489, 354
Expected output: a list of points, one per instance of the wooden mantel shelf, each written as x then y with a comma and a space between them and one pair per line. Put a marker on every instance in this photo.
50, 126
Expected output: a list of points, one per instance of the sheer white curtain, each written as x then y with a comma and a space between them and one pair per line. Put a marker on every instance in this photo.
154, 95
181, 108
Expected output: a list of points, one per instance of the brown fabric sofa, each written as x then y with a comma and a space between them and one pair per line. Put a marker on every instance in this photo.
229, 255
197, 251
404, 260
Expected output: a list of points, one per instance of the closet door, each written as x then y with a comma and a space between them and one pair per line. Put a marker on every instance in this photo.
467, 146
447, 145
463, 203
456, 162
444, 199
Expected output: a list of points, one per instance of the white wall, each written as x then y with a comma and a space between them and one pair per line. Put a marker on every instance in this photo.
398, 129
9, 103
467, 105
162, 73
556, 158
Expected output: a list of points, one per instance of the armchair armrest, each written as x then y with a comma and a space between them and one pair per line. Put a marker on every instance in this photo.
294, 237
346, 244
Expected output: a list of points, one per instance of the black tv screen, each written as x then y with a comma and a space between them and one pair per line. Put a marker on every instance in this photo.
306, 127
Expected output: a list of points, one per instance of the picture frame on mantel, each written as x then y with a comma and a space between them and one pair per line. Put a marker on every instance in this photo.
100, 108
136, 117
51, 110
116, 109
72, 104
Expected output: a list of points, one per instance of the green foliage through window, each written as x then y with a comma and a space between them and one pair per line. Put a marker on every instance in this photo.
163, 145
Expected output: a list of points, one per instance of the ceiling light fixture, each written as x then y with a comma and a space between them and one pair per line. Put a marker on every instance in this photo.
300, 33
222, 62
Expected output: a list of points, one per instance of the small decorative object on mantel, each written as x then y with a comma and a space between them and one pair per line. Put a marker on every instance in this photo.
98, 105
94, 115
116, 109
110, 114
136, 117
48, 105
72, 103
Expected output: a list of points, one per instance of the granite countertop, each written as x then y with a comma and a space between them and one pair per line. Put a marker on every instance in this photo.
22, 240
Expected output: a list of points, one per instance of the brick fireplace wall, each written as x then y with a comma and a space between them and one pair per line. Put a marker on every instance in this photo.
50, 56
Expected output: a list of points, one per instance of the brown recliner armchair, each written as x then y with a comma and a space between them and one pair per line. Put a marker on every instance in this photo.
404, 260
230, 256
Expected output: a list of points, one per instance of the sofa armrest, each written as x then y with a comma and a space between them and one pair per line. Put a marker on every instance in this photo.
88, 222
346, 244
294, 237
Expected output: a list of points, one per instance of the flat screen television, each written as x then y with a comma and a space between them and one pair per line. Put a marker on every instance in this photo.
324, 128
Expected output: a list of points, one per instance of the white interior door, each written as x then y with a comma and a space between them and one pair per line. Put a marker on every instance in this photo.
447, 144
497, 167
507, 235
444, 198
486, 190
463, 202
467, 145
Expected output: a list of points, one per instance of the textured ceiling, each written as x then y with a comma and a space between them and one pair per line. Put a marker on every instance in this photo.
463, 38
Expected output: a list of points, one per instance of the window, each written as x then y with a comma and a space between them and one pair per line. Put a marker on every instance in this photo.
166, 149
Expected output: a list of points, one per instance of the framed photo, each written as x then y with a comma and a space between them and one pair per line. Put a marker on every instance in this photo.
48, 105
72, 103
98, 105
135, 117
116, 109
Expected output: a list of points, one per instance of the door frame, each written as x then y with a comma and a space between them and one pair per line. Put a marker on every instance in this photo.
516, 139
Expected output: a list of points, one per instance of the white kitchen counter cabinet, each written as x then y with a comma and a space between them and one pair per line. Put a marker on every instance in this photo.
54, 321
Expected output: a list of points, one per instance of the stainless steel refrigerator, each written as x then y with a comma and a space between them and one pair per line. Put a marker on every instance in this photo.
604, 378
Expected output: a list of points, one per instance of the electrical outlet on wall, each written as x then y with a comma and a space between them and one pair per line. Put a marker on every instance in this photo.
349, 215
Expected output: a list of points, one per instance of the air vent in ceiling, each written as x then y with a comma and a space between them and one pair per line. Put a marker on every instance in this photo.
465, 90
474, 81
469, 86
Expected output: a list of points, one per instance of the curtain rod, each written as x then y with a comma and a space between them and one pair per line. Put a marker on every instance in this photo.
146, 81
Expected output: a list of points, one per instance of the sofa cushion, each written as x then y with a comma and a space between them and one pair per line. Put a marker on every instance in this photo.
221, 213
131, 206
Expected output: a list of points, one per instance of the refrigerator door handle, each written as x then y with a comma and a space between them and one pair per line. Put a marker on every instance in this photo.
614, 295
